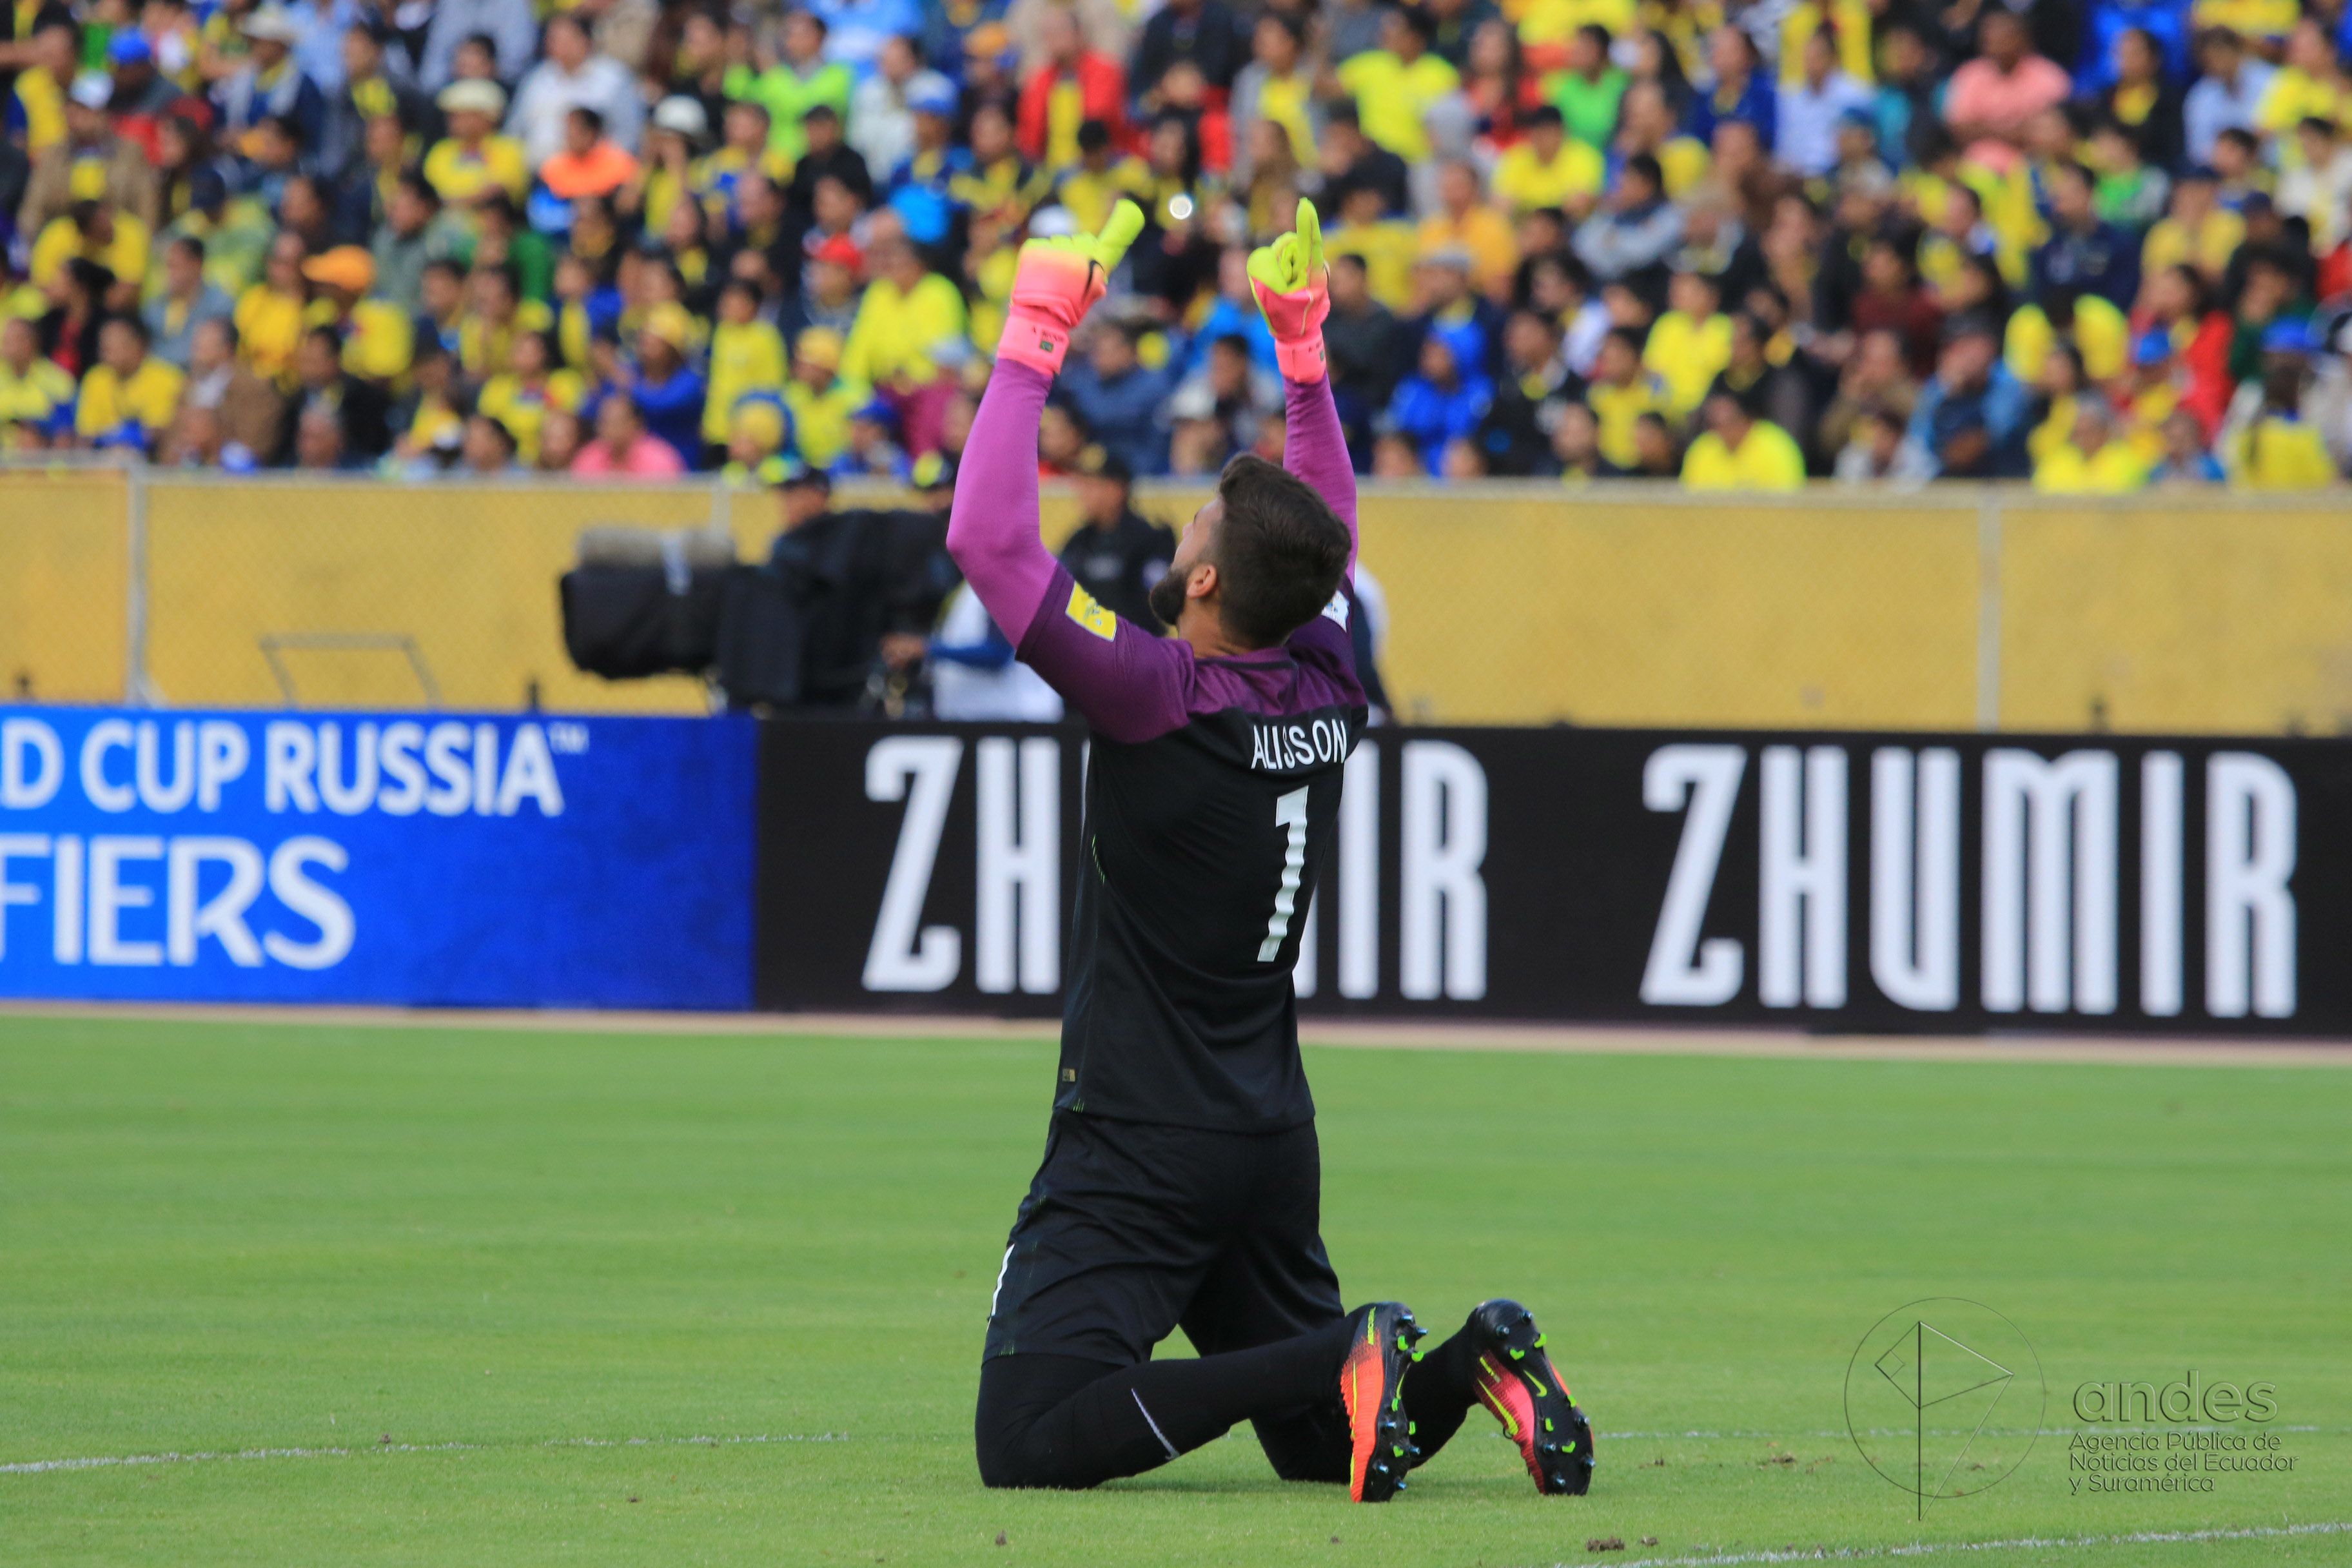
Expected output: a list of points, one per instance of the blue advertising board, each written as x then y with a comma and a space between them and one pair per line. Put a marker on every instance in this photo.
411, 859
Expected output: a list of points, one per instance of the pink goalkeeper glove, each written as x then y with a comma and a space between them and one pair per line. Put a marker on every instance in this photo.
1293, 291
1054, 280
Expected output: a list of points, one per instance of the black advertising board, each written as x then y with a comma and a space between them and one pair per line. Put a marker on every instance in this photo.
1823, 881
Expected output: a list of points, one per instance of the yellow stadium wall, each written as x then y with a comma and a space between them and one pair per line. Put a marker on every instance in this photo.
64, 585
1514, 604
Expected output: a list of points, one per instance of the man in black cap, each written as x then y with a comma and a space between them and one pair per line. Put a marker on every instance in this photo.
1117, 554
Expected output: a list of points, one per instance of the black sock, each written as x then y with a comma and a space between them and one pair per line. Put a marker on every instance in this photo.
1440, 1390
1135, 1418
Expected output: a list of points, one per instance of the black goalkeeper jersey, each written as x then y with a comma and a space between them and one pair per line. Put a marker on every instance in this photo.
1212, 790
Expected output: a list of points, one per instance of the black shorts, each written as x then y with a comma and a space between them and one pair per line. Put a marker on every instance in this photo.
1132, 1229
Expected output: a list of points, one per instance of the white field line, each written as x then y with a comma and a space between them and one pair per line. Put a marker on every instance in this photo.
1649, 1039
1601, 1432
108, 1461
2020, 1543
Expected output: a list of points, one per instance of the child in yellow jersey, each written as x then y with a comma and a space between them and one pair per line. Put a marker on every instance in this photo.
1620, 394
747, 356
523, 397
756, 430
821, 402
1690, 344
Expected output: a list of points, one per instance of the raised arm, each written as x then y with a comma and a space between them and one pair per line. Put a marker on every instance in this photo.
992, 527
1293, 289
1126, 682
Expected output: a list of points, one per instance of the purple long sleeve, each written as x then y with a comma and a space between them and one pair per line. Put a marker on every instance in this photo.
1316, 449
992, 529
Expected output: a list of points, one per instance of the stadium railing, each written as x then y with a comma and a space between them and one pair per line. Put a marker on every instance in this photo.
1948, 608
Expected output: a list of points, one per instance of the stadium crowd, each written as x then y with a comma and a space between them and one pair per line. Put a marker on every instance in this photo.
2094, 243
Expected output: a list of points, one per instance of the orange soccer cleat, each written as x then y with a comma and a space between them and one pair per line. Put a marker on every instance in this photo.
1517, 1381
1372, 1384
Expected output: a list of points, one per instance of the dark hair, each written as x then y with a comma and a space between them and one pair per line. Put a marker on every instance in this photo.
1280, 551
1646, 167
586, 115
138, 328
499, 428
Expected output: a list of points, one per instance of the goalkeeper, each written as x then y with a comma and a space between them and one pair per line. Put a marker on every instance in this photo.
1180, 1185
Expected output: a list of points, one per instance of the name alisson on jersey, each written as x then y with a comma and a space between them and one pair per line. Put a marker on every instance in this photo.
1280, 748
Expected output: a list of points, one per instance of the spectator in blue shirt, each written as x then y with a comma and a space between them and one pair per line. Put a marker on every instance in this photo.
2167, 21
1445, 398
1742, 91
2083, 253
1120, 399
1971, 416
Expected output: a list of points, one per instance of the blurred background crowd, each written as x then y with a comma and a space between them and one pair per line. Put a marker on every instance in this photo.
2091, 243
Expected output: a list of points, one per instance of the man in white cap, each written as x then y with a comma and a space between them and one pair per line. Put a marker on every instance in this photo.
473, 160
269, 84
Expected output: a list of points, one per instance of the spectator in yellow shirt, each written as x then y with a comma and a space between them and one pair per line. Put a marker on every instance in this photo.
1465, 222
1545, 169
36, 395
378, 337
269, 314
499, 316
2092, 461
2309, 85
1395, 84
1384, 244
522, 397
1554, 22
128, 398
2278, 451
473, 159
1690, 344
1739, 452
110, 236
41, 85
2196, 230
1100, 177
1621, 393
820, 401
747, 356
907, 339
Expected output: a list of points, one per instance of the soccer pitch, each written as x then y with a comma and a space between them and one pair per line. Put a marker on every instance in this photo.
466, 1295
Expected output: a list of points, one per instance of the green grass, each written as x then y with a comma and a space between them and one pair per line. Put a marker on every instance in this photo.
217, 1238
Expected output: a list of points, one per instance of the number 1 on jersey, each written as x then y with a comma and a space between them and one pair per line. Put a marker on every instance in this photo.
1289, 812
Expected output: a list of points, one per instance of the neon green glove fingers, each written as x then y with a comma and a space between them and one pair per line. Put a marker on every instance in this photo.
1109, 248
1310, 238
